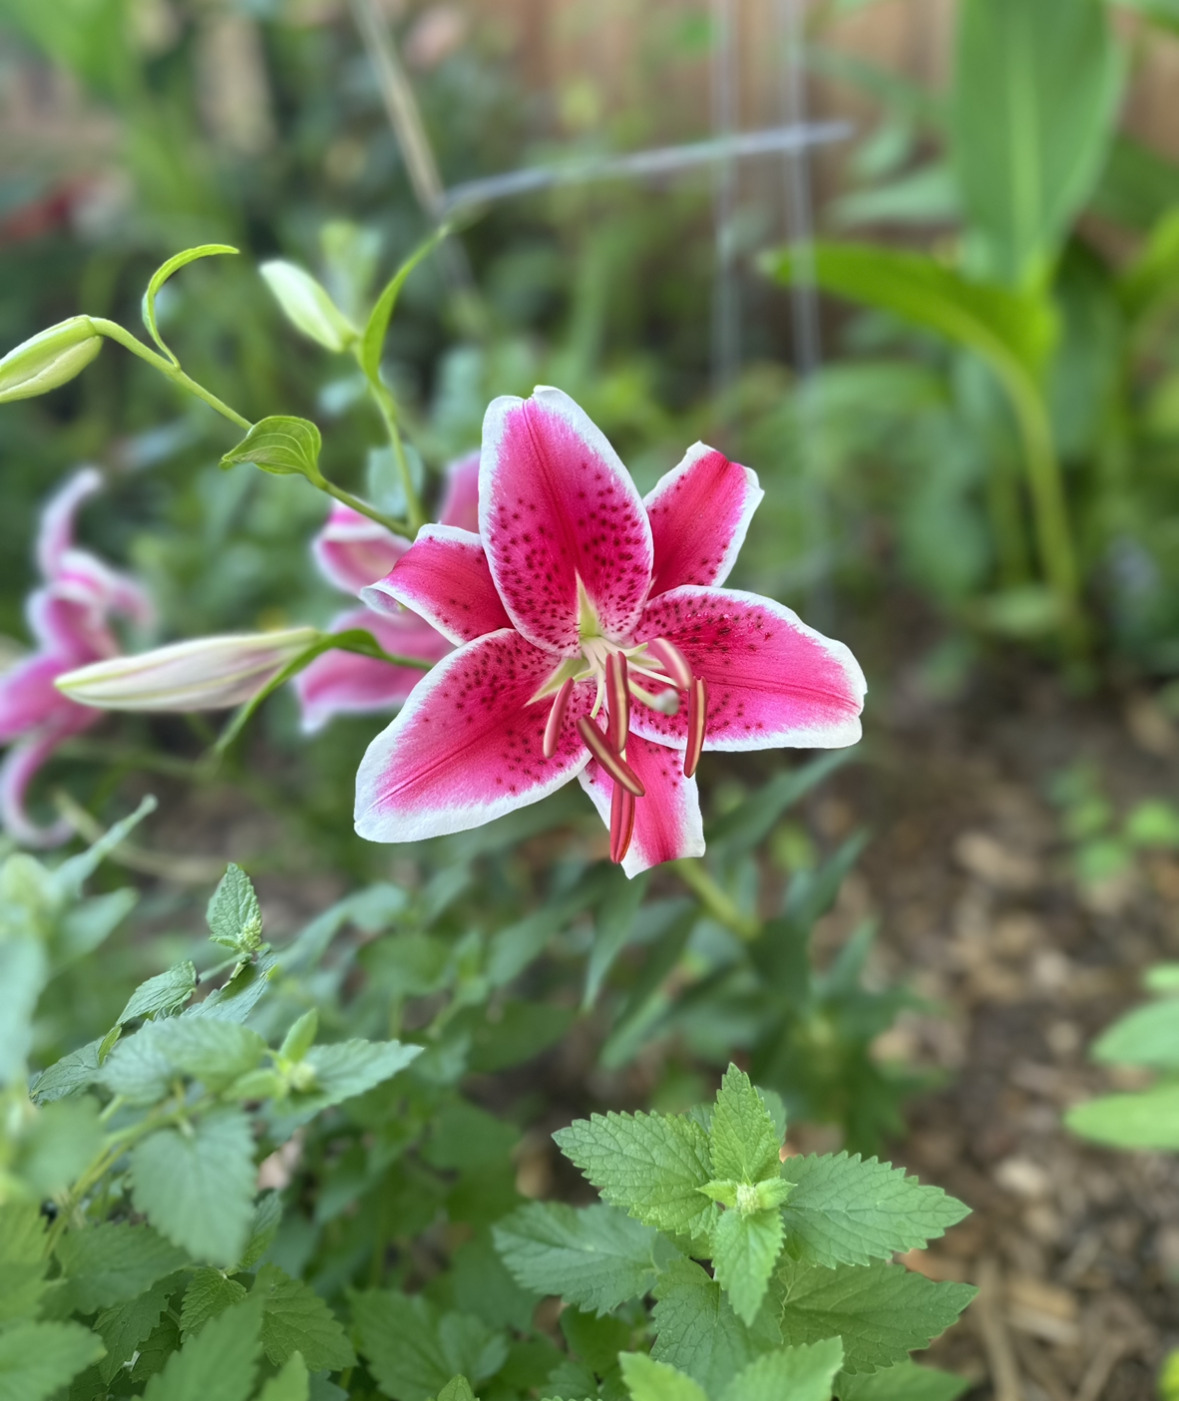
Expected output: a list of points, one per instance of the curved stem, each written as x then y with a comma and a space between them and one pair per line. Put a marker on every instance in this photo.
387, 406
364, 509
113, 331
719, 904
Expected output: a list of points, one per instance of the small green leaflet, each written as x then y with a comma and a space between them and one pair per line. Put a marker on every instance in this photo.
165, 993
378, 321
23, 1259
457, 1389
162, 274
125, 1326
210, 1292
790, 1374
743, 1139
296, 1320
282, 445
595, 1257
234, 916
847, 1211
648, 1380
904, 1382
291, 1384
113, 1262
882, 1312
745, 1248
216, 1364
1146, 1119
197, 1187
650, 1165
696, 1328
36, 1359
1146, 1036
413, 1350
72, 1073
308, 305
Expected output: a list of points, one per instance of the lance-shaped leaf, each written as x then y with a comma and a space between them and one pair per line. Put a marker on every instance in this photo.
308, 305
382, 312
162, 274
282, 445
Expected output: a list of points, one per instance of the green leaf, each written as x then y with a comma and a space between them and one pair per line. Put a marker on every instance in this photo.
163, 994
648, 1380
125, 1326
308, 305
696, 1328
55, 1146
882, 1312
904, 1382
1148, 1119
651, 1165
113, 1262
23, 1259
197, 1186
143, 1067
845, 1211
281, 445
1146, 1036
745, 1250
36, 1359
752, 821
24, 968
162, 274
1034, 104
74, 1072
595, 1257
267, 1216
413, 1350
91, 923
72, 874
291, 1384
341, 1071
210, 1292
789, 1374
216, 1364
301, 1036
742, 1138
296, 1320
378, 321
457, 1389
234, 916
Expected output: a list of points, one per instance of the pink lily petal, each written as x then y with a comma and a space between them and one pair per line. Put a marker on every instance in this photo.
345, 682
444, 577
352, 551
19, 768
557, 508
772, 681
460, 504
72, 629
56, 534
29, 700
467, 746
700, 512
668, 824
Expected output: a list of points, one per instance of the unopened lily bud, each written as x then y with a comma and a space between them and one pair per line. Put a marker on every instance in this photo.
48, 359
308, 305
208, 673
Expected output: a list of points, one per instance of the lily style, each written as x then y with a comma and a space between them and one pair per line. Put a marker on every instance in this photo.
70, 617
352, 552
592, 640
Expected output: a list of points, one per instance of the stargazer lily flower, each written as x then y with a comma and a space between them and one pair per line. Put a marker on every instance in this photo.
70, 616
351, 552
593, 641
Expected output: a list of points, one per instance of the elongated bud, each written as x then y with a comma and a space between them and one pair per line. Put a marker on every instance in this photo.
308, 305
208, 673
48, 359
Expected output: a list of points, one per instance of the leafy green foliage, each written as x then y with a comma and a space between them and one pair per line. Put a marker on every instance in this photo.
281, 445
234, 916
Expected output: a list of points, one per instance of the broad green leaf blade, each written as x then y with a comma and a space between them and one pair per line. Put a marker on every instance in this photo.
650, 1165
882, 1312
24, 969
1147, 1036
696, 1329
217, 1364
457, 1389
378, 321
296, 1320
789, 1374
113, 1262
197, 1187
1035, 96
742, 1137
24, 1259
308, 305
291, 1384
904, 1382
74, 1072
58, 1143
1148, 1119
162, 274
165, 993
341, 1071
124, 1327
648, 1380
210, 1292
745, 1251
234, 916
281, 445
845, 1211
36, 1359
414, 1351
595, 1257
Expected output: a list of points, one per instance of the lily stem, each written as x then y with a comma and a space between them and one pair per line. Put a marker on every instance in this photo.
115, 332
716, 900
387, 407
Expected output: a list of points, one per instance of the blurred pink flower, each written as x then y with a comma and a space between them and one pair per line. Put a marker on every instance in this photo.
353, 552
70, 618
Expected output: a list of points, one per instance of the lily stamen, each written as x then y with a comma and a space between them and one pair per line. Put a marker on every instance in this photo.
556, 720
622, 823
618, 700
673, 661
614, 764
697, 723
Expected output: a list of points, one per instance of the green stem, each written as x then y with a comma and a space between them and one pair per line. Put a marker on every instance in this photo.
396, 526
715, 900
115, 332
388, 409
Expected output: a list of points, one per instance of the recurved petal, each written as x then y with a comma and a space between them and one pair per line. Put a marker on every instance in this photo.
444, 577
557, 506
345, 682
20, 767
56, 534
28, 698
667, 817
460, 504
353, 551
699, 514
467, 746
773, 682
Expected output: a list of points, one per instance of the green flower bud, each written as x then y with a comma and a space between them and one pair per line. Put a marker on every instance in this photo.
48, 359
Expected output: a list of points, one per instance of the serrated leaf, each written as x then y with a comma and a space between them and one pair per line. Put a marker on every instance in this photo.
743, 1139
847, 1211
162, 274
125, 1326
648, 1380
457, 1389
413, 1350
267, 1216
56, 1145
650, 1165
379, 317
308, 305
296, 1319
789, 1374
696, 1328
234, 916
142, 1068
216, 1364
113, 1262
745, 1250
291, 1384
882, 1312
284, 446
197, 1188
166, 992
343, 1070
36, 1359
904, 1382
24, 1259
595, 1257
76, 1071
210, 1292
